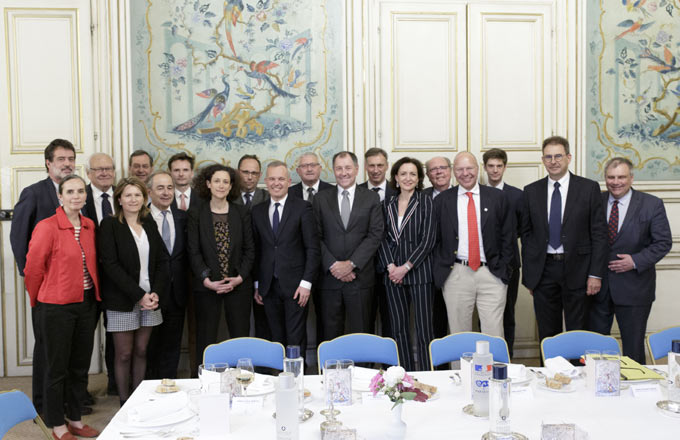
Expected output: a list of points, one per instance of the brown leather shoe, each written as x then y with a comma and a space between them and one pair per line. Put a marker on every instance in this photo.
86, 431
66, 436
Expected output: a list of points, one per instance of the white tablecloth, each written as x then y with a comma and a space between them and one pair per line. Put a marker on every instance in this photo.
624, 417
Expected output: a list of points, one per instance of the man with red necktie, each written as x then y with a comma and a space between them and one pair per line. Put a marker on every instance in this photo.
474, 250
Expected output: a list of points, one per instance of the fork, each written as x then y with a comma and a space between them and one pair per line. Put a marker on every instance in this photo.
159, 433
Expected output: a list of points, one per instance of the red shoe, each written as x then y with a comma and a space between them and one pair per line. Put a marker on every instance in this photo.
86, 431
66, 436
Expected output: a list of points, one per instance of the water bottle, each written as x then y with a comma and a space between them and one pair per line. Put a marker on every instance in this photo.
295, 364
674, 371
481, 374
499, 401
287, 420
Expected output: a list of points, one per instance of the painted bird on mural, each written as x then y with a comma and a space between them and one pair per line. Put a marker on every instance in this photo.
259, 70
232, 12
632, 4
216, 105
302, 43
632, 27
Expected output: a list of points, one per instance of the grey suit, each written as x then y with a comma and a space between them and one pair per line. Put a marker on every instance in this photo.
645, 235
357, 243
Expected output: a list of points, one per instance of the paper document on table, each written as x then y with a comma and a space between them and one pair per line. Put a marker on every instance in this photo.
631, 370
158, 408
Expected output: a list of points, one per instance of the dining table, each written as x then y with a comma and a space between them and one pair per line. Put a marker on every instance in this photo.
631, 415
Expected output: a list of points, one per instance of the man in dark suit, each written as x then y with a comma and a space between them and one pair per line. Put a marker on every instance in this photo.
351, 226
249, 170
375, 163
495, 161
287, 255
474, 249
140, 165
438, 170
309, 170
99, 204
639, 237
166, 339
36, 203
181, 167
564, 242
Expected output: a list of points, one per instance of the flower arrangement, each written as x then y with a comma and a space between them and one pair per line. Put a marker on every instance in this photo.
397, 385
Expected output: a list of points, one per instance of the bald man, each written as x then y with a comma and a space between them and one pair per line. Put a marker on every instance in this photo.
474, 250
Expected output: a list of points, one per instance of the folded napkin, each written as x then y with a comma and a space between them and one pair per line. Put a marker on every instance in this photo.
517, 371
158, 408
559, 364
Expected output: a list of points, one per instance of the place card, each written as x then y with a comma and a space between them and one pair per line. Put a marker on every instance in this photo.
245, 405
522, 393
368, 398
213, 410
646, 390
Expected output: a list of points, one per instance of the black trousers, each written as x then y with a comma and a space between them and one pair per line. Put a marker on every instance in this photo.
39, 364
351, 301
552, 297
166, 342
236, 311
68, 336
287, 320
399, 299
380, 306
509, 312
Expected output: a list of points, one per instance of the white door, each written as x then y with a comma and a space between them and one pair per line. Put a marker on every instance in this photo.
46, 79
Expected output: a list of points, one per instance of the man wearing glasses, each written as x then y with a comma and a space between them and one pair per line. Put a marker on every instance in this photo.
564, 242
249, 169
439, 173
309, 170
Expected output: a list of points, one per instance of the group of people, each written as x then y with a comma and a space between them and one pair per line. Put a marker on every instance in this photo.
160, 245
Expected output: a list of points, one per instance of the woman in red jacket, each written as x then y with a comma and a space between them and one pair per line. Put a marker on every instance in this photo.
61, 279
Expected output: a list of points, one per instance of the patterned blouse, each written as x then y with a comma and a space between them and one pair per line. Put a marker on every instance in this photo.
223, 241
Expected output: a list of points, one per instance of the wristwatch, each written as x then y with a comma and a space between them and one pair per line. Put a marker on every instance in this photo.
354, 266
408, 266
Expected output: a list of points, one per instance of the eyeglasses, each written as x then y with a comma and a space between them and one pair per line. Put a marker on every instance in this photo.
308, 165
249, 173
556, 157
103, 170
441, 168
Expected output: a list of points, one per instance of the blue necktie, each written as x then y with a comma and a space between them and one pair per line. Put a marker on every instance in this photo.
165, 232
275, 219
555, 220
106, 206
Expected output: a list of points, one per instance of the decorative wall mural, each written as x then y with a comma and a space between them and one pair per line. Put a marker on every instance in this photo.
633, 86
220, 79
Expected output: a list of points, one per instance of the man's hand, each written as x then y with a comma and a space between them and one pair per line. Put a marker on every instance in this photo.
217, 286
232, 283
593, 285
531, 292
623, 264
302, 296
348, 278
258, 297
341, 269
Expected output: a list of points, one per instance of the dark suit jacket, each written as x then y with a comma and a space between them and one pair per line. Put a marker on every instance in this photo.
178, 287
296, 190
36, 203
203, 248
293, 253
584, 232
430, 190
194, 200
498, 232
646, 235
514, 197
389, 191
119, 263
260, 195
358, 243
413, 242
89, 209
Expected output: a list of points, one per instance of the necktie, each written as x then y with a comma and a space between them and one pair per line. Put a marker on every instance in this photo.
276, 219
106, 206
474, 260
555, 219
377, 191
183, 202
249, 198
344, 208
310, 194
613, 222
165, 232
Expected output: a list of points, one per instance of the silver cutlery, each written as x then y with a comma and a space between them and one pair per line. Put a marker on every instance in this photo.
153, 433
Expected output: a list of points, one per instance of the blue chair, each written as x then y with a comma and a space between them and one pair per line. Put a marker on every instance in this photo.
15, 408
450, 348
573, 344
359, 347
659, 343
263, 353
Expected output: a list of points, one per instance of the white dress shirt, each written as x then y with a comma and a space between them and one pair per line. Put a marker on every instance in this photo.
98, 199
305, 194
142, 242
499, 186
158, 217
351, 190
187, 194
564, 188
463, 246
382, 188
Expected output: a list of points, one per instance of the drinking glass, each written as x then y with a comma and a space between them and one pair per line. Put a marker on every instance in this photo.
204, 375
591, 356
608, 374
466, 373
338, 381
245, 373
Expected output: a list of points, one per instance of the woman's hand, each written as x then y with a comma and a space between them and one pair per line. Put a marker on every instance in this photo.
398, 273
218, 286
149, 301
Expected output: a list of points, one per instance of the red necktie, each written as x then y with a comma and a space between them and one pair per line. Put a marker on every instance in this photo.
613, 222
473, 236
183, 205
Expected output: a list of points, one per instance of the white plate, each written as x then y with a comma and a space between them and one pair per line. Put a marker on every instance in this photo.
565, 388
263, 385
166, 420
529, 376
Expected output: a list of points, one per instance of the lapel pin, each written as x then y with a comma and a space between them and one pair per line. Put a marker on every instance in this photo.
486, 209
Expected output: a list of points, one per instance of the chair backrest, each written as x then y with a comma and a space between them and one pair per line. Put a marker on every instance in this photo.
262, 352
450, 348
659, 343
573, 344
15, 408
359, 347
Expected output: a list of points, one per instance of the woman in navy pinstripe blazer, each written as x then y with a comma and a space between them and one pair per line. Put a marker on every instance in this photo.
404, 256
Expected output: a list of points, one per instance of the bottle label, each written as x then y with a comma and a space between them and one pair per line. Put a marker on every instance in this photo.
479, 367
482, 383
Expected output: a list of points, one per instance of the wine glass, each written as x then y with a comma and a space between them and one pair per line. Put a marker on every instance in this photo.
245, 374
